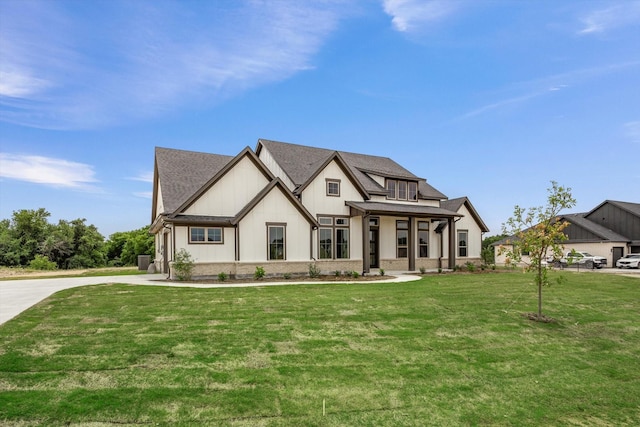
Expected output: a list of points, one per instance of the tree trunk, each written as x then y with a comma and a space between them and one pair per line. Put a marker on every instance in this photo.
539, 291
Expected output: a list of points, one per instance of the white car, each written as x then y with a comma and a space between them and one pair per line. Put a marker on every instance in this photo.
629, 261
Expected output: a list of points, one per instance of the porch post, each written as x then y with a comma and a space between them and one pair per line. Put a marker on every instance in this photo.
452, 242
366, 244
411, 243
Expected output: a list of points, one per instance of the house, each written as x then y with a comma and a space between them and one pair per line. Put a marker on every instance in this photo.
285, 206
611, 230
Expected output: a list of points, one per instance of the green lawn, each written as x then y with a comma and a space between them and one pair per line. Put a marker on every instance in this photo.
445, 350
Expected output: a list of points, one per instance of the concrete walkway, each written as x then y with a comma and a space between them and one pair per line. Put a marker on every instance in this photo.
18, 295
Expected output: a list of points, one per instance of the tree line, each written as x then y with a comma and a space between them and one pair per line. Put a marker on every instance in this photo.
28, 239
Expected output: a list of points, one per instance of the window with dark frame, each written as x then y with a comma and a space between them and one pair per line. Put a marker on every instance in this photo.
205, 235
333, 237
333, 187
402, 239
423, 239
276, 241
463, 235
402, 190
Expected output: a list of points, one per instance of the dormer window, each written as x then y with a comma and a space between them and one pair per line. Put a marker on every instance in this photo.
333, 187
402, 190
413, 191
391, 189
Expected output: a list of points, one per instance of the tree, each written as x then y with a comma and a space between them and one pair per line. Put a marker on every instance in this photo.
123, 247
536, 231
488, 254
28, 228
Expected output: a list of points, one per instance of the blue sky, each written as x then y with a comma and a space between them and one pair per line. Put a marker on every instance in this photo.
486, 99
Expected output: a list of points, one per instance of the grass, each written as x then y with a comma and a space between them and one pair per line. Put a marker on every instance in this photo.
445, 350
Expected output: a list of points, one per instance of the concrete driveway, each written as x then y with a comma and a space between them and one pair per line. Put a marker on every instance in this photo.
18, 295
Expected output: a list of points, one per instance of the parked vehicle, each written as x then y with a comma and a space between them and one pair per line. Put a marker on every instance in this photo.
629, 261
581, 259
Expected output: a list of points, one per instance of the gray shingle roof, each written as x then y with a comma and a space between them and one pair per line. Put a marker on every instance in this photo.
402, 209
456, 204
181, 173
300, 162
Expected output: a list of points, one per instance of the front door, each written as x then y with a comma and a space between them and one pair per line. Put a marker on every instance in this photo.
617, 254
373, 248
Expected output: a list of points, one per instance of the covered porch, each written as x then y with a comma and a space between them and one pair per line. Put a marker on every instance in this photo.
414, 215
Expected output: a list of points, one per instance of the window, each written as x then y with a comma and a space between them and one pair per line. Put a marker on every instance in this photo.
462, 242
391, 189
276, 241
333, 187
333, 237
402, 190
205, 235
423, 239
326, 243
413, 191
402, 239
342, 243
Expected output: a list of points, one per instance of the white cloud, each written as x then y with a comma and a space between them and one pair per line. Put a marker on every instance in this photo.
62, 69
602, 20
144, 177
144, 194
410, 15
632, 130
522, 92
47, 171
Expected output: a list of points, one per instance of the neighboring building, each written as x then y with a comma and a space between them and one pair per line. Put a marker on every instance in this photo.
285, 206
611, 230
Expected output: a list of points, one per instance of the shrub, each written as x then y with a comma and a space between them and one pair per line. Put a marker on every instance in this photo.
382, 271
41, 262
287, 276
222, 276
355, 274
439, 269
470, 266
183, 265
337, 273
314, 271
423, 270
259, 273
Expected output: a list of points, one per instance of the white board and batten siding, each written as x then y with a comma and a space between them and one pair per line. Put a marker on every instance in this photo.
207, 252
231, 192
274, 208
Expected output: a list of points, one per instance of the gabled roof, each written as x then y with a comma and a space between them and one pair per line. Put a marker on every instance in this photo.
335, 156
182, 173
632, 208
455, 205
604, 233
279, 185
186, 175
228, 221
301, 163
580, 220
220, 173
